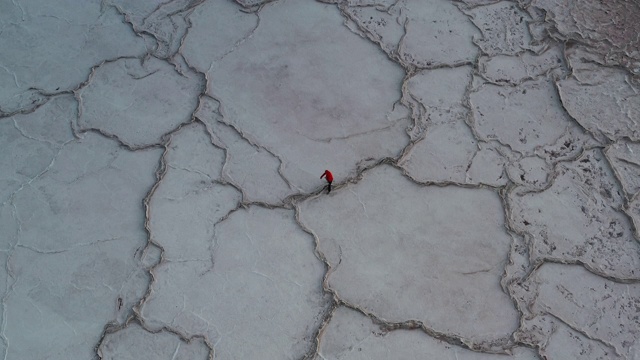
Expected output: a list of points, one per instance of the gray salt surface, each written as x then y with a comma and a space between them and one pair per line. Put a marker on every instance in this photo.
160, 191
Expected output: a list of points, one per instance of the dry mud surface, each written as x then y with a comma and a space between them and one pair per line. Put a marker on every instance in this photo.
160, 194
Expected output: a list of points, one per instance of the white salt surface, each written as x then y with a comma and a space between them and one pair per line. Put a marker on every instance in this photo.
160, 191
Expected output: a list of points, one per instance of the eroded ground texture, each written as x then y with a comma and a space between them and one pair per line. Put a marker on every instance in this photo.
160, 191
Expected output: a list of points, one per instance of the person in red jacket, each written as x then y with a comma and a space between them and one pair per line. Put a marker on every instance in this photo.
329, 177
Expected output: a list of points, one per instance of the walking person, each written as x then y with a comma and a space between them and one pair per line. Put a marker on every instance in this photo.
329, 177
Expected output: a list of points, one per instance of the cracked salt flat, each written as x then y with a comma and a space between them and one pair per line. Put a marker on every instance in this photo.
389, 257
160, 193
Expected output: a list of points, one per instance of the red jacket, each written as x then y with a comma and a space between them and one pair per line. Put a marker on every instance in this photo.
328, 174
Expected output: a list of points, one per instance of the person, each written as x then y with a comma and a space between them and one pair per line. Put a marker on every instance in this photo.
329, 177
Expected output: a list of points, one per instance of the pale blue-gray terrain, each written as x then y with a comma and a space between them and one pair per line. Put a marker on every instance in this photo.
160, 190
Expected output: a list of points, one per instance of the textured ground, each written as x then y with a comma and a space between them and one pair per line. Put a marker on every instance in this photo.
160, 194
